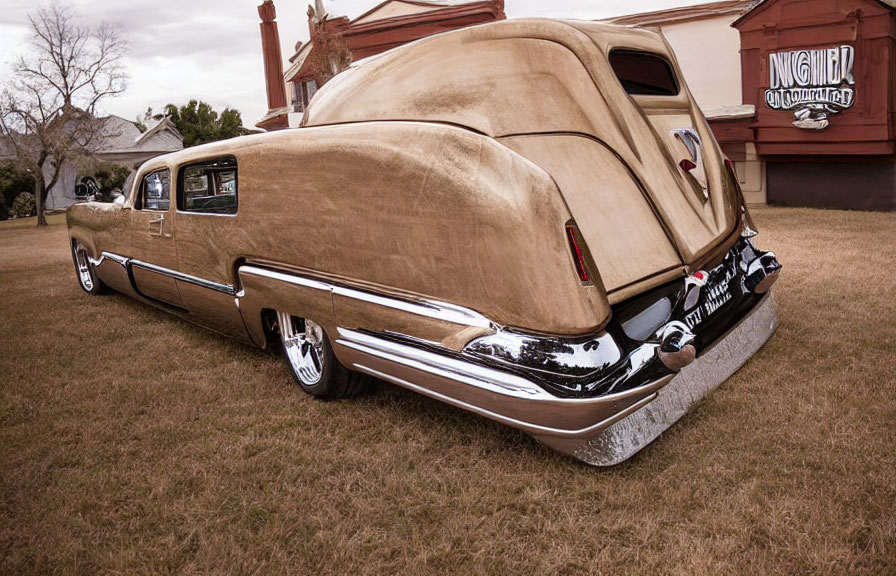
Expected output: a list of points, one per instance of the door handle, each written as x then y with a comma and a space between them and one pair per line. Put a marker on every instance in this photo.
160, 221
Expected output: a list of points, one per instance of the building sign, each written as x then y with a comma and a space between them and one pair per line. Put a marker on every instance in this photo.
812, 83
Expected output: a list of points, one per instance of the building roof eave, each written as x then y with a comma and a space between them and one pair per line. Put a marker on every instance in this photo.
736, 112
434, 5
686, 13
298, 61
757, 4
446, 12
276, 118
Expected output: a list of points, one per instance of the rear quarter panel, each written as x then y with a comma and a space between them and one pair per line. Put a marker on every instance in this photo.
420, 210
102, 227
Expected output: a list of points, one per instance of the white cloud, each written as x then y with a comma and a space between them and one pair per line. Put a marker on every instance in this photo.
211, 49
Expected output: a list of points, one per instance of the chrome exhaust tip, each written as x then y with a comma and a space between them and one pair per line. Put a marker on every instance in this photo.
762, 273
676, 349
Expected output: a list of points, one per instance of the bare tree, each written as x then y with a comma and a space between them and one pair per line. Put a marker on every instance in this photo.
48, 103
331, 53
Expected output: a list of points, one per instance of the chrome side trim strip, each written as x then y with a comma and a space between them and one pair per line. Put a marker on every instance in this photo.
525, 426
422, 307
225, 288
427, 308
120, 260
288, 278
438, 365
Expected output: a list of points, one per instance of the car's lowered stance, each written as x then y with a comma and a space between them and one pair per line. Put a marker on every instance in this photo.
529, 219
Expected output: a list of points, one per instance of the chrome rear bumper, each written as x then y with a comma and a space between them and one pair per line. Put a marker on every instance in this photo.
600, 431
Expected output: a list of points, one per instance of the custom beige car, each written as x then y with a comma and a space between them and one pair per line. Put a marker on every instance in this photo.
529, 219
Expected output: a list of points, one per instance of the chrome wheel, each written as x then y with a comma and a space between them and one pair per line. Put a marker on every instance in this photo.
303, 345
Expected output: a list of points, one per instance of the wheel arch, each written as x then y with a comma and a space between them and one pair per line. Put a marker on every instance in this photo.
265, 289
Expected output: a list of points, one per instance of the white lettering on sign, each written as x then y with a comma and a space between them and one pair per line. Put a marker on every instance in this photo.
813, 83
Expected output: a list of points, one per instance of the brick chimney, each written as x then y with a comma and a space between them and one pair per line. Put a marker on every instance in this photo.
273, 60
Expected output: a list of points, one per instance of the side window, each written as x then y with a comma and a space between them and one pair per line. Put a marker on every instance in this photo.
208, 187
155, 190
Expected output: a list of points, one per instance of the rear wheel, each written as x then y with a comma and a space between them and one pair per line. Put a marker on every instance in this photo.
312, 363
86, 271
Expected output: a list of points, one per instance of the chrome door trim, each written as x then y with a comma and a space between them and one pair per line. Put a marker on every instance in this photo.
126, 262
225, 288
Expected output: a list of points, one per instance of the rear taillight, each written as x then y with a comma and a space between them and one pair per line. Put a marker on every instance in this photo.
579, 253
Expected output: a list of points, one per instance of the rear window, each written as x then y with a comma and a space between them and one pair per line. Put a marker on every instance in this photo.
642, 73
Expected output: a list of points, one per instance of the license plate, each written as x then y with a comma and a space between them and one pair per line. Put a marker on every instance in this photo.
715, 294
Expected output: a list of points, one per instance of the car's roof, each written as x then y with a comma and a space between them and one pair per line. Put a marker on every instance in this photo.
504, 77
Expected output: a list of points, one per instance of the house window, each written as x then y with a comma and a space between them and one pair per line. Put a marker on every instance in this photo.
209, 187
295, 90
301, 93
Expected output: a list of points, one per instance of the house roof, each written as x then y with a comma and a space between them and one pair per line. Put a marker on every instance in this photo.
122, 136
760, 3
393, 8
393, 14
685, 13
298, 60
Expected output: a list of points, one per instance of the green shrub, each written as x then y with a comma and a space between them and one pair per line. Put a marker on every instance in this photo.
4, 209
13, 180
24, 206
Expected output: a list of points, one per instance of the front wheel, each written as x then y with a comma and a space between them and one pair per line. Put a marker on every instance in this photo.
86, 271
312, 363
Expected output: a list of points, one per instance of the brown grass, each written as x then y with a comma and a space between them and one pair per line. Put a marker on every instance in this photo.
134, 443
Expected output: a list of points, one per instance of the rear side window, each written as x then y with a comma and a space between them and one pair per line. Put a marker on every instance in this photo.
642, 73
209, 187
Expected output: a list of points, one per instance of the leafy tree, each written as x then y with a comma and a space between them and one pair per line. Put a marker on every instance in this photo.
48, 101
111, 176
198, 122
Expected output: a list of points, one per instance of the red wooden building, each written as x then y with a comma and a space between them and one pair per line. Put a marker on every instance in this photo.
336, 39
821, 76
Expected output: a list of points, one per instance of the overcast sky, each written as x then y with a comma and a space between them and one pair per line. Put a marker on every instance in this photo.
211, 49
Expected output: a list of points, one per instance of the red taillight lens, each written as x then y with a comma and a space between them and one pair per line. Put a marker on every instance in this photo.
578, 255
730, 165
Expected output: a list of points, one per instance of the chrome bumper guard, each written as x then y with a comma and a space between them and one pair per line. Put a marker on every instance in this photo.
621, 440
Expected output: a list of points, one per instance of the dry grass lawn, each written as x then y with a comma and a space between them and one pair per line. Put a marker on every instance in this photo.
134, 443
